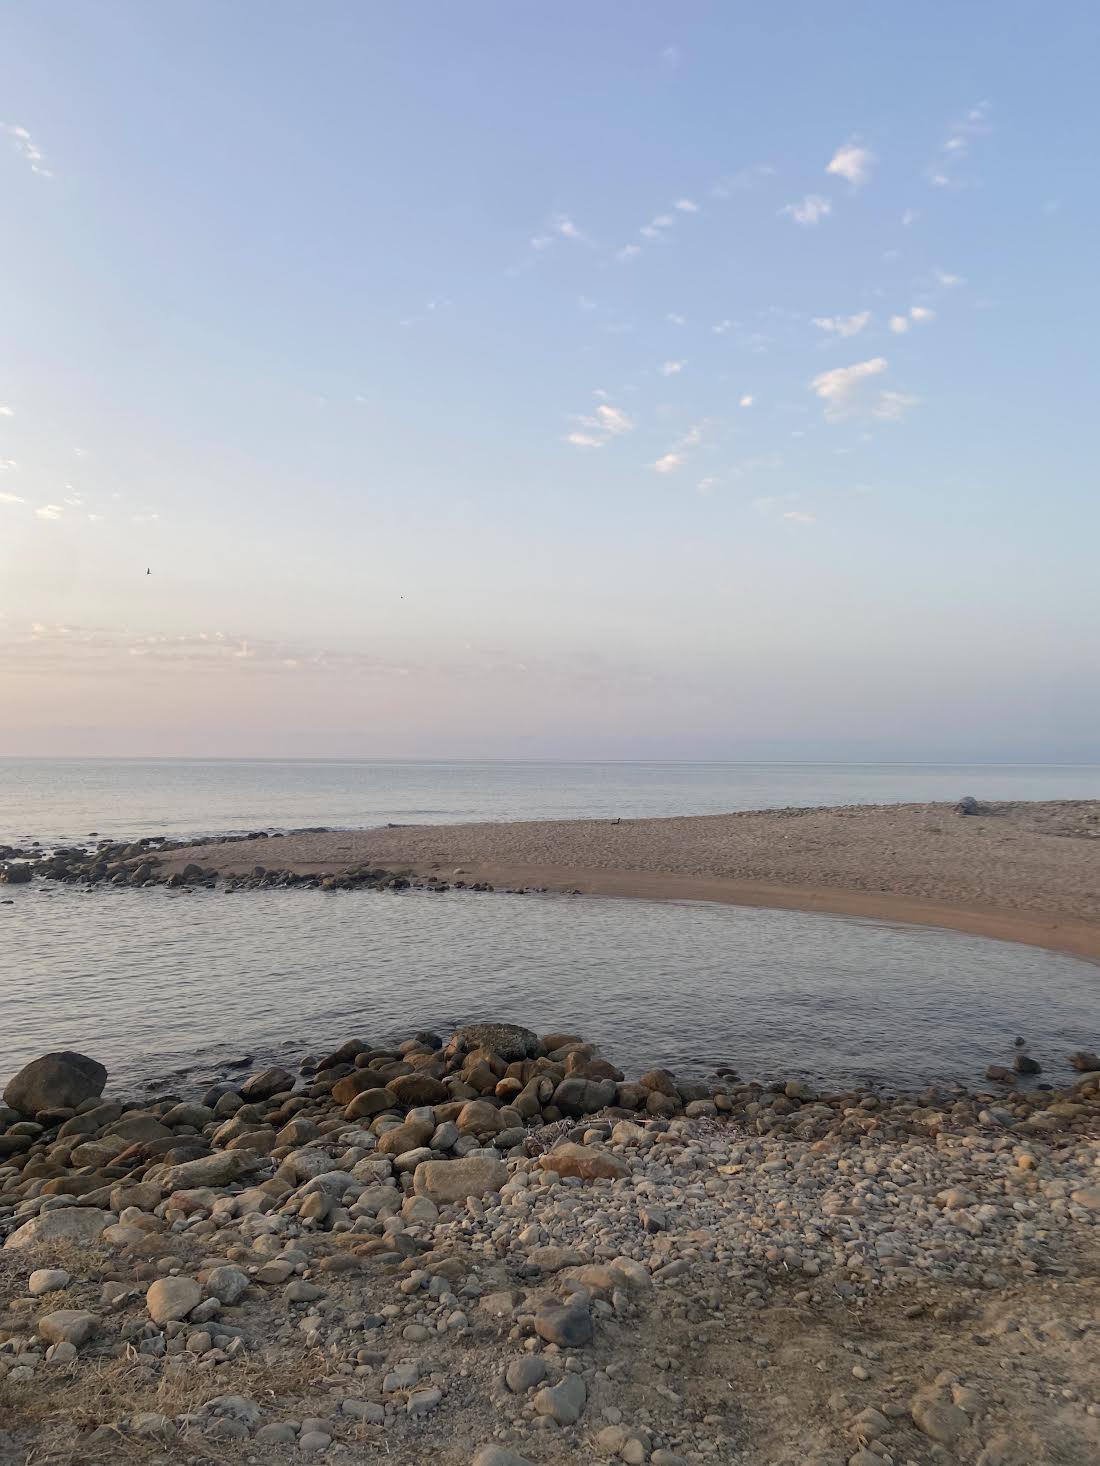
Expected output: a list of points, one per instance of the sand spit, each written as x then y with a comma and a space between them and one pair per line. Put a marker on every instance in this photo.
1025, 871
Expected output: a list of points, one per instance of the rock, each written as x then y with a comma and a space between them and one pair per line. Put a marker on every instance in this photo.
313, 1442
62, 1080
418, 1089
1088, 1197
220, 1169
508, 1040
149, 1424
234, 1407
480, 1118
447, 1182
564, 1402
368, 1410
80, 1225
227, 1284
585, 1161
569, 1326
68, 1326
1086, 1061
498, 1456
939, 1421
525, 1373
408, 1136
172, 1298
276, 1435
576, 1097
267, 1083
47, 1280
423, 1402
968, 805
1000, 1075
18, 874
1025, 1064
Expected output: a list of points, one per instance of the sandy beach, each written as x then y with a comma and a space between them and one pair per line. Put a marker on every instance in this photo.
1026, 872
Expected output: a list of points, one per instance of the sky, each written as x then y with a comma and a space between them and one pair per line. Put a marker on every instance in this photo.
495, 380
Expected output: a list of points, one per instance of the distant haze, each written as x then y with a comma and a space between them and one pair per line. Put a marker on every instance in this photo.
626, 381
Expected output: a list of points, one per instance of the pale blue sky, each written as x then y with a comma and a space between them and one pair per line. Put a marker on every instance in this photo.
706, 379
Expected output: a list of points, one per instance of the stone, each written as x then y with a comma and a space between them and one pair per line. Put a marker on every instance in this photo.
47, 1280
220, 1169
149, 1424
15, 874
1086, 1061
480, 1118
227, 1284
68, 1326
358, 1082
276, 1435
372, 1101
172, 1298
586, 1161
234, 1407
498, 1456
61, 1080
368, 1410
508, 1040
448, 1182
418, 1089
576, 1097
1087, 1197
563, 1402
569, 1326
939, 1421
525, 1373
408, 1136
313, 1442
1025, 1064
267, 1083
423, 1402
80, 1225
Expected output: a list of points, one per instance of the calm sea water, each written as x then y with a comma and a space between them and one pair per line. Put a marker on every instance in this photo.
154, 982
52, 799
163, 985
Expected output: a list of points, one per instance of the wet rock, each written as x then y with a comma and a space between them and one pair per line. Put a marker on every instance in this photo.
62, 1080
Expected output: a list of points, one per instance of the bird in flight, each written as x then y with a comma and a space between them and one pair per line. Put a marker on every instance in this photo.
149, 571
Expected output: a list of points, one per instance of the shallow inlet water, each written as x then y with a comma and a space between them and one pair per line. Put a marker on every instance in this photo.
160, 984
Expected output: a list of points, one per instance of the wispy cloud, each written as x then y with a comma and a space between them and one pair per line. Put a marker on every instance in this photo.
676, 456
27, 149
6, 411
799, 516
841, 388
600, 427
744, 178
851, 162
946, 169
50, 511
628, 252
12, 499
843, 325
919, 314
949, 281
672, 368
686, 206
892, 406
747, 400
810, 210
720, 328
562, 226
6, 464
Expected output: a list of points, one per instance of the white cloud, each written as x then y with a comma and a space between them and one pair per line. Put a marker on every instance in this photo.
7, 463
664, 221
628, 251
899, 325
5, 410
677, 454
95, 518
686, 206
843, 325
721, 327
669, 462
650, 231
811, 210
839, 388
27, 149
564, 225
50, 511
921, 313
586, 304
11, 499
705, 485
600, 427
676, 320
744, 178
892, 406
944, 171
542, 241
851, 162
799, 516
949, 281
747, 400
672, 368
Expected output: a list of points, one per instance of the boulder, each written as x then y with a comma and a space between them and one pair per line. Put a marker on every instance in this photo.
418, 1089
68, 1326
170, 1299
586, 1161
409, 1136
220, 1169
47, 1280
267, 1083
1086, 1061
563, 1402
576, 1097
368, 1102
62, 1080
480, 1118
77, 1224
506, 1039
448, 1182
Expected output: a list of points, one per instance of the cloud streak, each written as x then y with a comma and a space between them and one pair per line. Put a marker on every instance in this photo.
843, 325
27, 149
851, 162
808, 211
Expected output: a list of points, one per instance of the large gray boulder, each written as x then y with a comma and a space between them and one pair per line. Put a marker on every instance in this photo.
62, 1080
508, 1040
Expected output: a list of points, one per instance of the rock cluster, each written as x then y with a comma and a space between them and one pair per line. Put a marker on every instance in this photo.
497, 1250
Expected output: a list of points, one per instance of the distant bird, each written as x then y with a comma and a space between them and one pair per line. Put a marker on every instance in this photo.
618, 820
149, 571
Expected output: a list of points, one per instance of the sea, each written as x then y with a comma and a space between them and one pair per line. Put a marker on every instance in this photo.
173, 990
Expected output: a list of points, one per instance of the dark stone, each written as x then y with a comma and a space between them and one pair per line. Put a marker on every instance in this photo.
59, 1080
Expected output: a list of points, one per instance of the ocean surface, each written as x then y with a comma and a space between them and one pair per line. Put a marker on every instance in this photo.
54, 799
170, 989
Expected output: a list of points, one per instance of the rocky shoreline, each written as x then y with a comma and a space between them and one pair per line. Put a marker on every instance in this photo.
496, 1249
